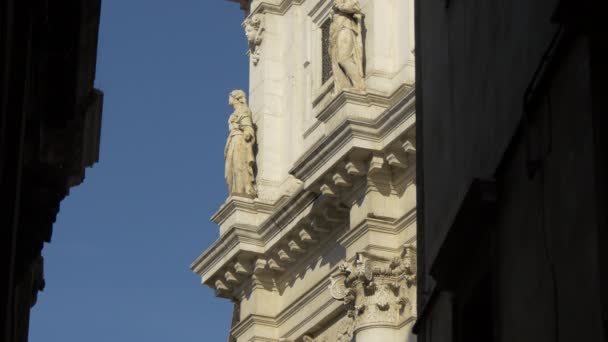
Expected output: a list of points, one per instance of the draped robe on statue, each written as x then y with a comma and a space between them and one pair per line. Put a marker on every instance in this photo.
239, 154
346, 46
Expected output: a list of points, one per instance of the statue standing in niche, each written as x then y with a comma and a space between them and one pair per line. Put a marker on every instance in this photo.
238, 154
254, 30
346, 46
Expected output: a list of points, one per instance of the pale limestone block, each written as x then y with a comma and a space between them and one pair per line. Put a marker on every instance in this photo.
241, 212
276, 253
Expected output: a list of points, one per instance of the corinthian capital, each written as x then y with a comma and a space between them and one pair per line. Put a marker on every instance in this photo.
377, 289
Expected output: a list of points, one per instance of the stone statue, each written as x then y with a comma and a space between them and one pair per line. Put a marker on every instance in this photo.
240, 160
254, 30
346, 46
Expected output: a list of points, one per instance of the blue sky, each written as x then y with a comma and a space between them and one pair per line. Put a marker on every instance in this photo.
118, 266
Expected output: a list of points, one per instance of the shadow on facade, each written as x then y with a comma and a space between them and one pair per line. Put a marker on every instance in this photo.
50, 120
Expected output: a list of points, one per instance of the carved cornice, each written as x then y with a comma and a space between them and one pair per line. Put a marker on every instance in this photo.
373, 224
363, 99
278, 9
253, 320
320, 10
356, 133
235, 203
298, 224
262, 240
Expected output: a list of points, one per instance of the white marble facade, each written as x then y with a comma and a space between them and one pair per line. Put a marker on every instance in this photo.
326, 250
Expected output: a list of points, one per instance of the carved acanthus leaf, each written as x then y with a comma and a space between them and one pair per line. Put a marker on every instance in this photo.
376, 288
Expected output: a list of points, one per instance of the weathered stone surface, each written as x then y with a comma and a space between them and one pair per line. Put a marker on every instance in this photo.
254, 31
335, 182
346, 46
240, 160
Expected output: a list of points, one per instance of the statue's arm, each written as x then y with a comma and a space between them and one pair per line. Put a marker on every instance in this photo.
247, 128
249, 134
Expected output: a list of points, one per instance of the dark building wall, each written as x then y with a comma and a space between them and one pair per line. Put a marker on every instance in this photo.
547, 226
476, 60
512, 206
50, 118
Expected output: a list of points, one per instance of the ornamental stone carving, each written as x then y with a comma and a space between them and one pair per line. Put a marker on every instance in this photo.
238, 154
342, 331
346, 46
254, 30
376, 289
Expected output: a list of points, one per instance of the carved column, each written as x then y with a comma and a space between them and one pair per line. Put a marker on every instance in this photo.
380, 294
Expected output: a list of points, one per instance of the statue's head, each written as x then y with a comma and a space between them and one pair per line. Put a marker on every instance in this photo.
237, 96
253, 28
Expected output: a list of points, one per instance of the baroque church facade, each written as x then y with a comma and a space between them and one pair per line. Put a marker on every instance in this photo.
317, 239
